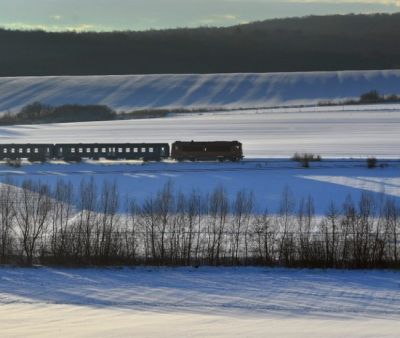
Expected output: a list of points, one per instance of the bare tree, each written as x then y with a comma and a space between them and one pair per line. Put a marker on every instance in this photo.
305, 217
87, 220
242, 209
265, 238
391, 214
8, 198
164, 203
285, 221
32, 214
218, 210
108, 219
61, 237
148, 223
347, 224
330, 229
131, 232
193, 211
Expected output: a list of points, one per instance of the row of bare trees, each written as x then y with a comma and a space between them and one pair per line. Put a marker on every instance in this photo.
94, 225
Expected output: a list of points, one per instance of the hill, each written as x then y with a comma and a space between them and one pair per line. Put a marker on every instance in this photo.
349, 42
195, 91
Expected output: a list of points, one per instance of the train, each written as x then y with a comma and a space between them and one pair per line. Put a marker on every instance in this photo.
179, 151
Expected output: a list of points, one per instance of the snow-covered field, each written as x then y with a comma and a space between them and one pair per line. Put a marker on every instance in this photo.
131, 92
213, 302
325, 181
205, 302
334, 132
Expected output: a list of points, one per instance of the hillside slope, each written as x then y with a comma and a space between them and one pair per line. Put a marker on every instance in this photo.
210, 91
315, 43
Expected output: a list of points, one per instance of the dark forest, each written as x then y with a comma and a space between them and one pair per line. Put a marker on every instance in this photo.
314, 43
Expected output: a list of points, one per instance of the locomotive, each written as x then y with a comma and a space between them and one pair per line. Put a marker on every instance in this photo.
192, 151
207, 151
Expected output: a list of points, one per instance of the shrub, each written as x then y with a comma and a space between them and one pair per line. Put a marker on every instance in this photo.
371, 97
371, 162
306, 158
14, 163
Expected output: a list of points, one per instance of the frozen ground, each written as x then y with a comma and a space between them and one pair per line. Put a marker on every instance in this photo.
330, 132
130, 92
325, 182
205, 302
211, 302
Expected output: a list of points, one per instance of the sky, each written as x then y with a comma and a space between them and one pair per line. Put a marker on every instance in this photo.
109, 15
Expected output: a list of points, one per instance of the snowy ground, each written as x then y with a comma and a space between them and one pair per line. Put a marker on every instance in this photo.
211, 302
130, 92
333, 132
205, 302
325, 182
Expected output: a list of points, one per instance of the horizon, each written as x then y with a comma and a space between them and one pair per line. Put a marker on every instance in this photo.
89, 30
142, 15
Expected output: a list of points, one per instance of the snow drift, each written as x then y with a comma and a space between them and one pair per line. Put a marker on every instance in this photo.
130, 92
205, 302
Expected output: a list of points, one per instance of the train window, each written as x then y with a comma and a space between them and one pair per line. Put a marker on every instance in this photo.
143, 150
60, 150
28, 150
12, 150
103, 150
5, 150
96, 150
128, 150
20, 150
120, 150
72, 150
48, 150
135, 150
36, 150
151, 150
80, 150
88, 150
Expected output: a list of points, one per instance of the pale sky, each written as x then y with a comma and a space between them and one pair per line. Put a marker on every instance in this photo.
106, 15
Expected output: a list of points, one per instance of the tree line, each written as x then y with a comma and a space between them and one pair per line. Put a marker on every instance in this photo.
336, 42
88, 224
40, 113
371, 97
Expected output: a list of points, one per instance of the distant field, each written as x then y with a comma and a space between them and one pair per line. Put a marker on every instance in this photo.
328, 131
325, 181
206, 91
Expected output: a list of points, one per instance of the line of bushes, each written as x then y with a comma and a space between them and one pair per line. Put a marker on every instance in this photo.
83, 225
39, 113
370, 97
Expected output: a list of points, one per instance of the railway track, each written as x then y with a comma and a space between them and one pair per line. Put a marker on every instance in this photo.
179, 168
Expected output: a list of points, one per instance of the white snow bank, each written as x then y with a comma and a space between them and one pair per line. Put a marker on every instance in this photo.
128, 92
43, 320
205, 302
